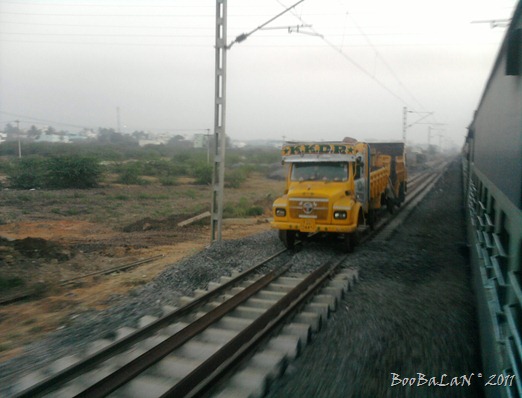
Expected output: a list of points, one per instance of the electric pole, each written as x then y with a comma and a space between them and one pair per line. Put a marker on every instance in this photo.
218, 173
405, 124
19, 143
118, 124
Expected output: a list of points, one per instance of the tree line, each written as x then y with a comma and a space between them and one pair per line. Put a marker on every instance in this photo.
84, 166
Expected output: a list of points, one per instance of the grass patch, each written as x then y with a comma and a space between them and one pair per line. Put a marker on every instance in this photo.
36, 329
190, 193
243, 208
135, 282
120, 197
5, 347
10, 283
146, 196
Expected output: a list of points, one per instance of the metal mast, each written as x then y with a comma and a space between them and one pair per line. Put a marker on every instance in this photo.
218, 174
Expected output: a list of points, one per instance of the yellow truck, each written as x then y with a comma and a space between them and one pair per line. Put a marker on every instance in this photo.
337, 188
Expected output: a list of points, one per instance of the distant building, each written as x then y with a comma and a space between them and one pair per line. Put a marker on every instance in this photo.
54, 138
156, 141
201, 140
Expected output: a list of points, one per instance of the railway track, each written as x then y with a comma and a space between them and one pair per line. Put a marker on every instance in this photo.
242, 330
31, 292
419, 185
199, 341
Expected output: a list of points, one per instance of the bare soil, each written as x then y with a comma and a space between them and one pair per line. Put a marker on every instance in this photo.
43, 246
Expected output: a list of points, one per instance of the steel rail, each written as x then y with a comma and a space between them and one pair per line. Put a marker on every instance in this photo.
113, 269
17, 296
413, 192
129, 371
211, 370
409, 204
58, 379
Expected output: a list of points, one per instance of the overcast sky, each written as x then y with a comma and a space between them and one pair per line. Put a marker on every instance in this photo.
72, 64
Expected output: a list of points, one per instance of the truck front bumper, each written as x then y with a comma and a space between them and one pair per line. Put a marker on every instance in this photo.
310, 226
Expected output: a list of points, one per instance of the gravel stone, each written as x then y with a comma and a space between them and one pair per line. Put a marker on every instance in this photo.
412, 311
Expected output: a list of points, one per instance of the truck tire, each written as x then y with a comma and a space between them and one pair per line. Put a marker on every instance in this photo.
352, 239
371, 218
390, 205
288, 238
402, 192
348, 243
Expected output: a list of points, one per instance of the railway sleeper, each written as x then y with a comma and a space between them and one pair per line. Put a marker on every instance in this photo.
146, 386
254, 378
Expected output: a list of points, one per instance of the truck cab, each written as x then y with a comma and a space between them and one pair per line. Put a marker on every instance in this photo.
331, 188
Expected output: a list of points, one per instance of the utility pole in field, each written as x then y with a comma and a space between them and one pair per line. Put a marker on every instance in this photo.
218, 173
19, 143
118, 123
406, 126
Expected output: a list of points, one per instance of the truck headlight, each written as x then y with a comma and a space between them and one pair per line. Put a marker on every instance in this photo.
340, 215
280, 212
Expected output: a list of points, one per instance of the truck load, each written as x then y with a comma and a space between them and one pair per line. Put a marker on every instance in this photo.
338, 188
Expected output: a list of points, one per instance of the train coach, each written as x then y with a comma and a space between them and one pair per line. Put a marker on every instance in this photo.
492, 165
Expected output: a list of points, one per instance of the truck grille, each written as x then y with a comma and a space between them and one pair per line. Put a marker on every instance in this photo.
316, 208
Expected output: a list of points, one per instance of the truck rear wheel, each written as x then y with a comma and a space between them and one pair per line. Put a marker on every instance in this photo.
288, 238
371, 218
402, 192
390, 205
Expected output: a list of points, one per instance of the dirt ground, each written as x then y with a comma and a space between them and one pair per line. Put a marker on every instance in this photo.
43, 251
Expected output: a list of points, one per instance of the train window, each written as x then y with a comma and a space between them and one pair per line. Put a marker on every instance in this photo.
484, 196
514, 39
492, 210
503, 233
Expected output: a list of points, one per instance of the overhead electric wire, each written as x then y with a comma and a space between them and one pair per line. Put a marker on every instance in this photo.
102, 34
348, 58
211, 45
390, 69
106, 26
102, 4
107, 15
386, 64
35, 120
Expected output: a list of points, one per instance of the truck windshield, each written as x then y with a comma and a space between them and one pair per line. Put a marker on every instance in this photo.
319, 171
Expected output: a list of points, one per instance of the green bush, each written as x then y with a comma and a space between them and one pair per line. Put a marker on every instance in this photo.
255, 211
131, 176
234, 178
72, 172
243, 208
10, 283
27, 173
58, 172
203, 174
168, 181
163, 168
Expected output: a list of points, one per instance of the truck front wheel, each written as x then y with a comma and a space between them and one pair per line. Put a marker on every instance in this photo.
352, 239
288, 238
